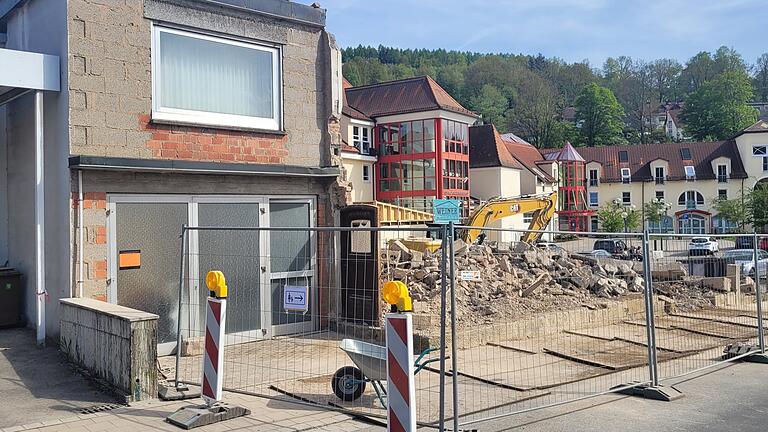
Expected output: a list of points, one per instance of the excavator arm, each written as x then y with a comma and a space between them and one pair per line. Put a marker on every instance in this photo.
543, 206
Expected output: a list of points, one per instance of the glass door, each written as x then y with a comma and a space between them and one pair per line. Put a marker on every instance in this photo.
239, 254
145, 262
292, 264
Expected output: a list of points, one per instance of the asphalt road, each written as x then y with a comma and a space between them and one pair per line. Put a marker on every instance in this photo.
732, 398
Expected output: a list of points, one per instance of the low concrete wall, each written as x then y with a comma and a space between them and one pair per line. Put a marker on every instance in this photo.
116, 344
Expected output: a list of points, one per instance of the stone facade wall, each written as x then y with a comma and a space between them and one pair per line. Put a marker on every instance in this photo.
110, 84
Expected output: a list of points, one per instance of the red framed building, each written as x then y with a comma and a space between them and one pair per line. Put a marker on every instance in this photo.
574, 213
421, 141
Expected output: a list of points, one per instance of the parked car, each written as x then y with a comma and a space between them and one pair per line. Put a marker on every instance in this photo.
619, 249
552, 247
746, 242
600, 253
746, 258
703, 246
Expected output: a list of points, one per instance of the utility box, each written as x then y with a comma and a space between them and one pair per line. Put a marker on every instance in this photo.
360, 265
11, 298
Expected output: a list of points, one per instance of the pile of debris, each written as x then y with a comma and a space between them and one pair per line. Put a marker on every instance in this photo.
493, 282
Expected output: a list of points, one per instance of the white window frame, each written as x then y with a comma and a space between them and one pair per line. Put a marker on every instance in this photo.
628, 195
528, 217
205, 118
759, 150
696, 194
722, 194
662, 197
626, 175
366, 173
690, 172
596, 179
725, 170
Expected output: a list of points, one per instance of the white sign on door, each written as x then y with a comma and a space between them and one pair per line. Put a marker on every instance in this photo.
296, 298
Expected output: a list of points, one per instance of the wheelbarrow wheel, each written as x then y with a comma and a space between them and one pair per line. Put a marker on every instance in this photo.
348, 383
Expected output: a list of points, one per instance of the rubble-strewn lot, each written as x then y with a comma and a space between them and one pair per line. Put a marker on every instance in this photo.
514, 284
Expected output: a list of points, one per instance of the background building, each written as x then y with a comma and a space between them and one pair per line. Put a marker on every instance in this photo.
414, 135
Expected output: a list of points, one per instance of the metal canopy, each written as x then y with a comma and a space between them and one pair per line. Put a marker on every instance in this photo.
30, 71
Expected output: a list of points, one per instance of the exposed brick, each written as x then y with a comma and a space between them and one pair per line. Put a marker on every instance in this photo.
99, 270
100, 297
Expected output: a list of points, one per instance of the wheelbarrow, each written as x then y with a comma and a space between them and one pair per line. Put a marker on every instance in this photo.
349, 382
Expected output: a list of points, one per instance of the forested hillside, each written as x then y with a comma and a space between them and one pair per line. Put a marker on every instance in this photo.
526, 94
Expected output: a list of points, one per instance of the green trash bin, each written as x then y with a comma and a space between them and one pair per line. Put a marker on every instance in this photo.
11, 298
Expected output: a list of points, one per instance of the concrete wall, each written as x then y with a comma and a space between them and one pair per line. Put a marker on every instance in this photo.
39, 26
111, 85
128, 367
486, 183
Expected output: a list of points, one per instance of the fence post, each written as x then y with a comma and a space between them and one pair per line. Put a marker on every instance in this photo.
454, 360
651, 389
650, 325
759, 356
443, 290
181, 296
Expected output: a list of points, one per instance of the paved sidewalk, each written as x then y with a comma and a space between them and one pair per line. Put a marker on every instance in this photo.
266, 415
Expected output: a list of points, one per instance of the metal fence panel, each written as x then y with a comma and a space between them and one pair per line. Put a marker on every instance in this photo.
707, 286
330, 354
548, 324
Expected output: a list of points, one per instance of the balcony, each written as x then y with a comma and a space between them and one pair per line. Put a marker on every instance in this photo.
659, 180
722, 178
593, 182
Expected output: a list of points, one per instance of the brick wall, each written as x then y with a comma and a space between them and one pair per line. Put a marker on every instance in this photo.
111, 86
94, 206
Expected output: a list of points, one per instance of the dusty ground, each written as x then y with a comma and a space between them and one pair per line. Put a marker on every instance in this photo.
501, 377
37, 384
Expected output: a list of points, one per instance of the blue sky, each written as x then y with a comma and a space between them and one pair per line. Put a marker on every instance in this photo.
570, 29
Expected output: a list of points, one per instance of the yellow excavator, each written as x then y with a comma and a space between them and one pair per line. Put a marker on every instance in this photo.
543, 206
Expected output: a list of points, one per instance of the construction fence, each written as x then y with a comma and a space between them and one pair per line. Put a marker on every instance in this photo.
500, 328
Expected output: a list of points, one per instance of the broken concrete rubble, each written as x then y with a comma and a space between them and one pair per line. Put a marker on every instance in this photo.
513, 284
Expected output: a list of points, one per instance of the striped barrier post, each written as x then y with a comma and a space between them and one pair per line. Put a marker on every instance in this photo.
213, 360
401, 387
214, 409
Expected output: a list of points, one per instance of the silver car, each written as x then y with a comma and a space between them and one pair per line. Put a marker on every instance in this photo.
746, 258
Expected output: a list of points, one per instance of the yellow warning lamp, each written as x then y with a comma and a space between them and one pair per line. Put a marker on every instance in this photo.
396, 294
216, 283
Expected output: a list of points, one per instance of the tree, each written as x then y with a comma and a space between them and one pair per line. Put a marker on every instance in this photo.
535, 113
600, 115
616, 217
719, 108
761, 78
737, 210
664, 75
491, 104
728, 60
655, 209
757, 203
698, 70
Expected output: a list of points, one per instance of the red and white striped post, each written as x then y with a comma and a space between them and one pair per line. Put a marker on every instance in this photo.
401, 387
215, 322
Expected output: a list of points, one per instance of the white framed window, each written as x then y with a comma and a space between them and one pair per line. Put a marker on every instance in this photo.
722, 173
528, 217
626, 175
722, 194
659, 175
361, 139
367, 173
690, 172
593, 199
660, 195
201, 79
626, 198
594, 179
690, 199
759, 151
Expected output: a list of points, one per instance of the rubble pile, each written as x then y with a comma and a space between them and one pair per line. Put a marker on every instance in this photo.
510, 284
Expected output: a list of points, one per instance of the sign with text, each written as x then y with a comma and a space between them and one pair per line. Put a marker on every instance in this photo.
295, 298
446, 210
470, 275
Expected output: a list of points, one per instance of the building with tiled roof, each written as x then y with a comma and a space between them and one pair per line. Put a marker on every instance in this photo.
405, 142
507, 166
690, 176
